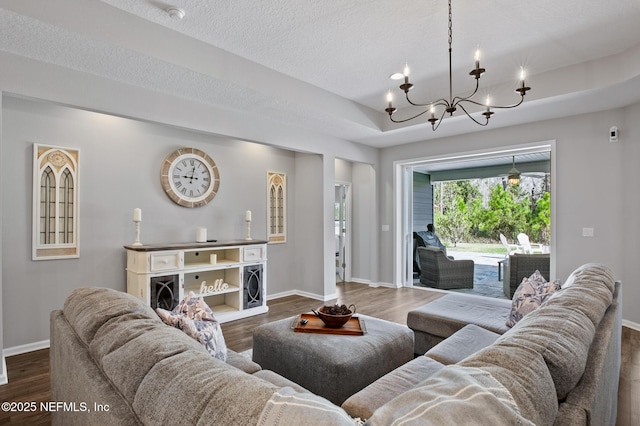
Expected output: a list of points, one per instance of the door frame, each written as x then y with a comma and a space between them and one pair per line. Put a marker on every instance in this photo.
403, 202
348, 227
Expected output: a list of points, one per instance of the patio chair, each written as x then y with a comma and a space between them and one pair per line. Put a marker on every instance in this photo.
440, 271
511, 248
527, 247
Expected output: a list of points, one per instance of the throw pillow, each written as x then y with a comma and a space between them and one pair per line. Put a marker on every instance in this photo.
208, 333
168, 317
529, 295
193, 316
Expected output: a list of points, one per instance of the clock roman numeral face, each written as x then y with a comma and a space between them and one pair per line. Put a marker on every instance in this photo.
190, 177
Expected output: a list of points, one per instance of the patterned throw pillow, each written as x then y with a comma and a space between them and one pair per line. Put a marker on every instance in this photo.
193, 316
208, 333
529, 295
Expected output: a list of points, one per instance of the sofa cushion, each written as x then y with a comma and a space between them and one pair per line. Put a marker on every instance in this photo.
524, 373
562, 329
363, 403
242, 362
453, 396
127, 348
278, 380
288, 407
529, 295
449, 313
192, 388
89, 308
463, 343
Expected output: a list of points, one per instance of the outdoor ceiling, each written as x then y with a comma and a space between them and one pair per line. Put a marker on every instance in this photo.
324, 65
499, 160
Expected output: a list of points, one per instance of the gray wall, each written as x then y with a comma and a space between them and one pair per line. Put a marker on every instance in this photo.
119, 170
141, 143
596, 187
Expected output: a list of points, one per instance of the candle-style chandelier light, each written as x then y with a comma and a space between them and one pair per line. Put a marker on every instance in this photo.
453, 103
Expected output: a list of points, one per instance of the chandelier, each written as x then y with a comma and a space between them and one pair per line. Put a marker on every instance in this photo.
449, 106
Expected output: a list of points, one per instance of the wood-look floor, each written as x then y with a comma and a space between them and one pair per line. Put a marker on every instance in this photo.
29, 373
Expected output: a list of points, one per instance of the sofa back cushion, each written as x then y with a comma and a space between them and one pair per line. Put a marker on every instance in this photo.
89, 308
524, 373
127, 348
560, 331
194, 388
563, 328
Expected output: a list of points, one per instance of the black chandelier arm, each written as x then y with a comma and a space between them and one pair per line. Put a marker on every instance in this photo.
442, 101
469, 115
433, 121
408, 119
457, 99
495, 106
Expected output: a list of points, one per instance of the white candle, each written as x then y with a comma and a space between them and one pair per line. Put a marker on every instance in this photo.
201, 234
248, 216
137, 215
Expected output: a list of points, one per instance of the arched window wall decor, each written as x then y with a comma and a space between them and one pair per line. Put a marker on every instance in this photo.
55, 193
277, 199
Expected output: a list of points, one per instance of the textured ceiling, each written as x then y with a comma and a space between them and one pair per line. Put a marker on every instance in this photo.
324, 64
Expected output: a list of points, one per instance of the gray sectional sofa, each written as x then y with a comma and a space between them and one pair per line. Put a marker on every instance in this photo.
557, 365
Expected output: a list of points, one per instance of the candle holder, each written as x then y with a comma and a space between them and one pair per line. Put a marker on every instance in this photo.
248, 237
137, 240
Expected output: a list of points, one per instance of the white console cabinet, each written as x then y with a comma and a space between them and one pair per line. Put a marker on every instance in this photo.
230, 275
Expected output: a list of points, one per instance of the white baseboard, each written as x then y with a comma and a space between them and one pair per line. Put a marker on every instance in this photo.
630, 324
372, 284
303, 294
29, 347
4, 379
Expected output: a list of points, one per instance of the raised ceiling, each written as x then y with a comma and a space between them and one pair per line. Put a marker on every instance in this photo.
324, 64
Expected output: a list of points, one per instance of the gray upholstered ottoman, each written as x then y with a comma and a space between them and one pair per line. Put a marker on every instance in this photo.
333, 366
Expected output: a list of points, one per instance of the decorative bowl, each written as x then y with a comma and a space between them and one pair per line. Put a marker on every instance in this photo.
335, 320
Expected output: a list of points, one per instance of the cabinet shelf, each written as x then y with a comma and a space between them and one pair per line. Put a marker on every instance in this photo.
221, 264
177, 269
230, 289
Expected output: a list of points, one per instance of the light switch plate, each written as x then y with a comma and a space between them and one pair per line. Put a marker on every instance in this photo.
587, 232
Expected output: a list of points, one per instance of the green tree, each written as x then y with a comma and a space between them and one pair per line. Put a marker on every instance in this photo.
454, 225
540, 219
506, 214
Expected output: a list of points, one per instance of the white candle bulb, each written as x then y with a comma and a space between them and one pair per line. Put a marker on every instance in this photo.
406, 70
389, 98
476, 56
432, 110
137, 215
522, 74
248, 216
488, 104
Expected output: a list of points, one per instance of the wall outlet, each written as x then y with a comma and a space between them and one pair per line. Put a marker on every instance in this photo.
587, 232
385, 228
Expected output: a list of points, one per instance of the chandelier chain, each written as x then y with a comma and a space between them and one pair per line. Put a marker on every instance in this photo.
450, 26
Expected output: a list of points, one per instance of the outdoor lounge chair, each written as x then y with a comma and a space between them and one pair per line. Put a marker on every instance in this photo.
440, 271
527, 247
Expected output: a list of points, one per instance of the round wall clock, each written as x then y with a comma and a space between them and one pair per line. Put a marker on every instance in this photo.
190, 177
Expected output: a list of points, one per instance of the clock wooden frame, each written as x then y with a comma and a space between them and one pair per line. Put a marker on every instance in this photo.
182, 198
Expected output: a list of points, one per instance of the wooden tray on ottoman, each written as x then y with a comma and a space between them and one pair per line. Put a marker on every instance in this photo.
354, 327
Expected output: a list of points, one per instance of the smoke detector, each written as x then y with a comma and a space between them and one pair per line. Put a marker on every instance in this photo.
175, 12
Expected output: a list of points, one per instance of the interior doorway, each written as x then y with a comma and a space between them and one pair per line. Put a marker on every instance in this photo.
342, 227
